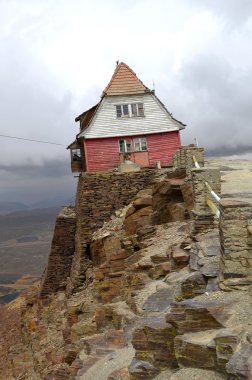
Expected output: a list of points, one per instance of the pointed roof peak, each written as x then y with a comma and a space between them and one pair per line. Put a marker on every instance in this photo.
124, 82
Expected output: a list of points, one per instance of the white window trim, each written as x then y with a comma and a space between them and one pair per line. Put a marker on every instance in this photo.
137, 107
125, 146
133, 145
123, 116
140, 144
130, 114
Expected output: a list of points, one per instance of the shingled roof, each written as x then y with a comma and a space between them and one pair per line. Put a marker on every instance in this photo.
124, 82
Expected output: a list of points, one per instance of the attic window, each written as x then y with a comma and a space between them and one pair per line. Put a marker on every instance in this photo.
137, 109
130, 110
122, 110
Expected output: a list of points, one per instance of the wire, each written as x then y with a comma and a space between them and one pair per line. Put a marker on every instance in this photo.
38, 141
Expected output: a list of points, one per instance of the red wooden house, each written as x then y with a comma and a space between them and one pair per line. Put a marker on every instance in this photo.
129, 121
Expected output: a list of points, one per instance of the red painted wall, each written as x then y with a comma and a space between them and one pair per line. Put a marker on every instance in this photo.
161, 147
103, 154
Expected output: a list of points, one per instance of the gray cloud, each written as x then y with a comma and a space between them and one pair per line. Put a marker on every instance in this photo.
55, 168
214, 99
197, 52
233, 12
30, 183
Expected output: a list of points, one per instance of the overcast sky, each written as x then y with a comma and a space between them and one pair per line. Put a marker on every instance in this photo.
58, 55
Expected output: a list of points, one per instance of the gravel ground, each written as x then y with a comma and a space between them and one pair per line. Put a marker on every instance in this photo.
190, 374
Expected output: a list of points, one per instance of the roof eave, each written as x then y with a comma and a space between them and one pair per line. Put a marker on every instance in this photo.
85, 112
126, 134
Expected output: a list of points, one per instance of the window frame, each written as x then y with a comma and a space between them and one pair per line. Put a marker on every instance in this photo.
121, 114
76, 154
137, 104
125, 145
141, 143
133, 142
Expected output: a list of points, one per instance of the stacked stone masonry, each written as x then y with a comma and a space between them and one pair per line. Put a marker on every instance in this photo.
200, 192
183, 158
62, 250
203, 216
236, 244
99, 195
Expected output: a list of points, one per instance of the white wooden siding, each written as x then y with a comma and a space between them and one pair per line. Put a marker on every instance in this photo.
106, 124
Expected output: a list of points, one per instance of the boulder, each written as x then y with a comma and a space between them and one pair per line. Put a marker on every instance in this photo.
226, 342
160, 270
193, 316
179, 257
196, 350
142, 370
139, 219
193, 285
240, 364
142, 202
153, 343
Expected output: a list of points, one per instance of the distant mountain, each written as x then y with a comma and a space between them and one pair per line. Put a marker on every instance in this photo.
7, 207
23, 218
52, 202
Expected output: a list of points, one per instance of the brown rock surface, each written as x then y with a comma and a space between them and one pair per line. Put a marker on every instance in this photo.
125, 292
196, 350
153, 343
194, 315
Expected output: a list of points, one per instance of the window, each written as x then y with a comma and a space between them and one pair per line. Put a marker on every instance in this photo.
140, 144
140, 109
134, 109
76, 154
136, 145
130, 110
125, 146
122, 110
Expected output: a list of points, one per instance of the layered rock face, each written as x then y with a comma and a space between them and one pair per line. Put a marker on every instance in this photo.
61, 255
146, 303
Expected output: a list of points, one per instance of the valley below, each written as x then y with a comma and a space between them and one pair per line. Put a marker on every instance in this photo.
25, 240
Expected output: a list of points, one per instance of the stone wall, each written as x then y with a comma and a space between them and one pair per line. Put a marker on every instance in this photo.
99, 195
200, 192
183, 158
62, 250
202, 214
236, 244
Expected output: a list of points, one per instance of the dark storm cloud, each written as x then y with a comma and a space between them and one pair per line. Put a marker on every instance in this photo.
29, 183
50, 168
215, 102
225, 151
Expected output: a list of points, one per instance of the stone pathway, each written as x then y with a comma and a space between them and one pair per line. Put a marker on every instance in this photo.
236, 176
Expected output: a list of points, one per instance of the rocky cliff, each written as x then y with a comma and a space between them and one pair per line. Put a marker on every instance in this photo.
131, 290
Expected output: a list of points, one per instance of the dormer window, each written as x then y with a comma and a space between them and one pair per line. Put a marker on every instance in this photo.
122, 110
137, 109
130, 110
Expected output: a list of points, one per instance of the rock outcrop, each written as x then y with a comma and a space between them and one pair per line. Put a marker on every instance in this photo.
138, 296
